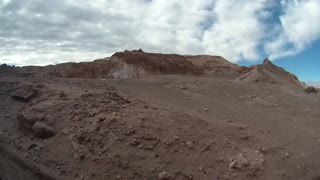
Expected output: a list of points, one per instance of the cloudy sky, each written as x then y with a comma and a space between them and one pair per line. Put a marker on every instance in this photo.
41, 32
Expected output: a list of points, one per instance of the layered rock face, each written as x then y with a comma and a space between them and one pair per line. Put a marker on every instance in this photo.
134, 65
137, 64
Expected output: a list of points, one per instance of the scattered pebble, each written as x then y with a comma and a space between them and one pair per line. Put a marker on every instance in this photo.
232, 165
163, 175
190, 144
287, 155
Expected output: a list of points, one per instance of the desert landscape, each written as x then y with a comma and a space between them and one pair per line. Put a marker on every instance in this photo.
145, 116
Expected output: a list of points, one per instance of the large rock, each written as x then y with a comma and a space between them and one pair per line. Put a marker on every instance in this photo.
25, 94
33, 122
310, 90
43, 130
27, 120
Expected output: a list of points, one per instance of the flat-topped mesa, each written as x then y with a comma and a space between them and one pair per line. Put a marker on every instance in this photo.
217, 65
270, 73
134, 64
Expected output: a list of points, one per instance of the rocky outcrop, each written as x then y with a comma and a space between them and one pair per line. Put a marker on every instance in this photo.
134, 64
311, 90
35, 124
128, 64
137, 64
217, 65
270, 73
25, 94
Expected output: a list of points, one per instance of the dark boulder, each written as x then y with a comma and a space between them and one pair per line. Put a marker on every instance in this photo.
34, 123
43, 130
310, 90
25, 94
26, 120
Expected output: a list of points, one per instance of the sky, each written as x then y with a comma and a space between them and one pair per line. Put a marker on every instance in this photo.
42, 32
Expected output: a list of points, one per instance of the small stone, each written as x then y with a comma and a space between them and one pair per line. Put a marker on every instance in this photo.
262, 149
163, 175
43, 130
135, 142
183, 88
118, 177
176, 137
206, 109
32, 146
200, 168
190, 144
244, 137
91, 114
287, 155
232, 165
102, 118
82, 156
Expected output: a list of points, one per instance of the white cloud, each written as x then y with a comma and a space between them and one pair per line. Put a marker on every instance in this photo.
300, 26
314, 84
238, 29
45, 32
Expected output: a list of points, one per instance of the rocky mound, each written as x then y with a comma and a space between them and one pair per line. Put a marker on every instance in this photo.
133, 64
128, 64
217, 65
137, 64
270, 73
6, 70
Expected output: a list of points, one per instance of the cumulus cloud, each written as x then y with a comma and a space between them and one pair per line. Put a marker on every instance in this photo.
43, 32
237, 29
299, 27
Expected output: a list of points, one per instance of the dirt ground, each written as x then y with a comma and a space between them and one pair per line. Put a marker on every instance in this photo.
158, 127
125, 117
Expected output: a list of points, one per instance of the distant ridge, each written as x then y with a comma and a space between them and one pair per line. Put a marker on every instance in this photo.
270, 73
138, 64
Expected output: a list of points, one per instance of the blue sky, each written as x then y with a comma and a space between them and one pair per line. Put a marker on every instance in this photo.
41, 32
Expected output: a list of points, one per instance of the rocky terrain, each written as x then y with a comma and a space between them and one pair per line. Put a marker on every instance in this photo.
140, 115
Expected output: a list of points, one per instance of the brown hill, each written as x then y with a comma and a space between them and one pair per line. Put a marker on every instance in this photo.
270, 73
217, 65
137, 64
176, 127
134, 64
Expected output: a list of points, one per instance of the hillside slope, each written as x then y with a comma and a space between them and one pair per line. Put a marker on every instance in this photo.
270, 73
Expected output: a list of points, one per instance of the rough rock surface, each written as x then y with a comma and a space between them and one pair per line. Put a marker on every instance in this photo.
43, 130
25, 94
136, 64
269, 73
311, 89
